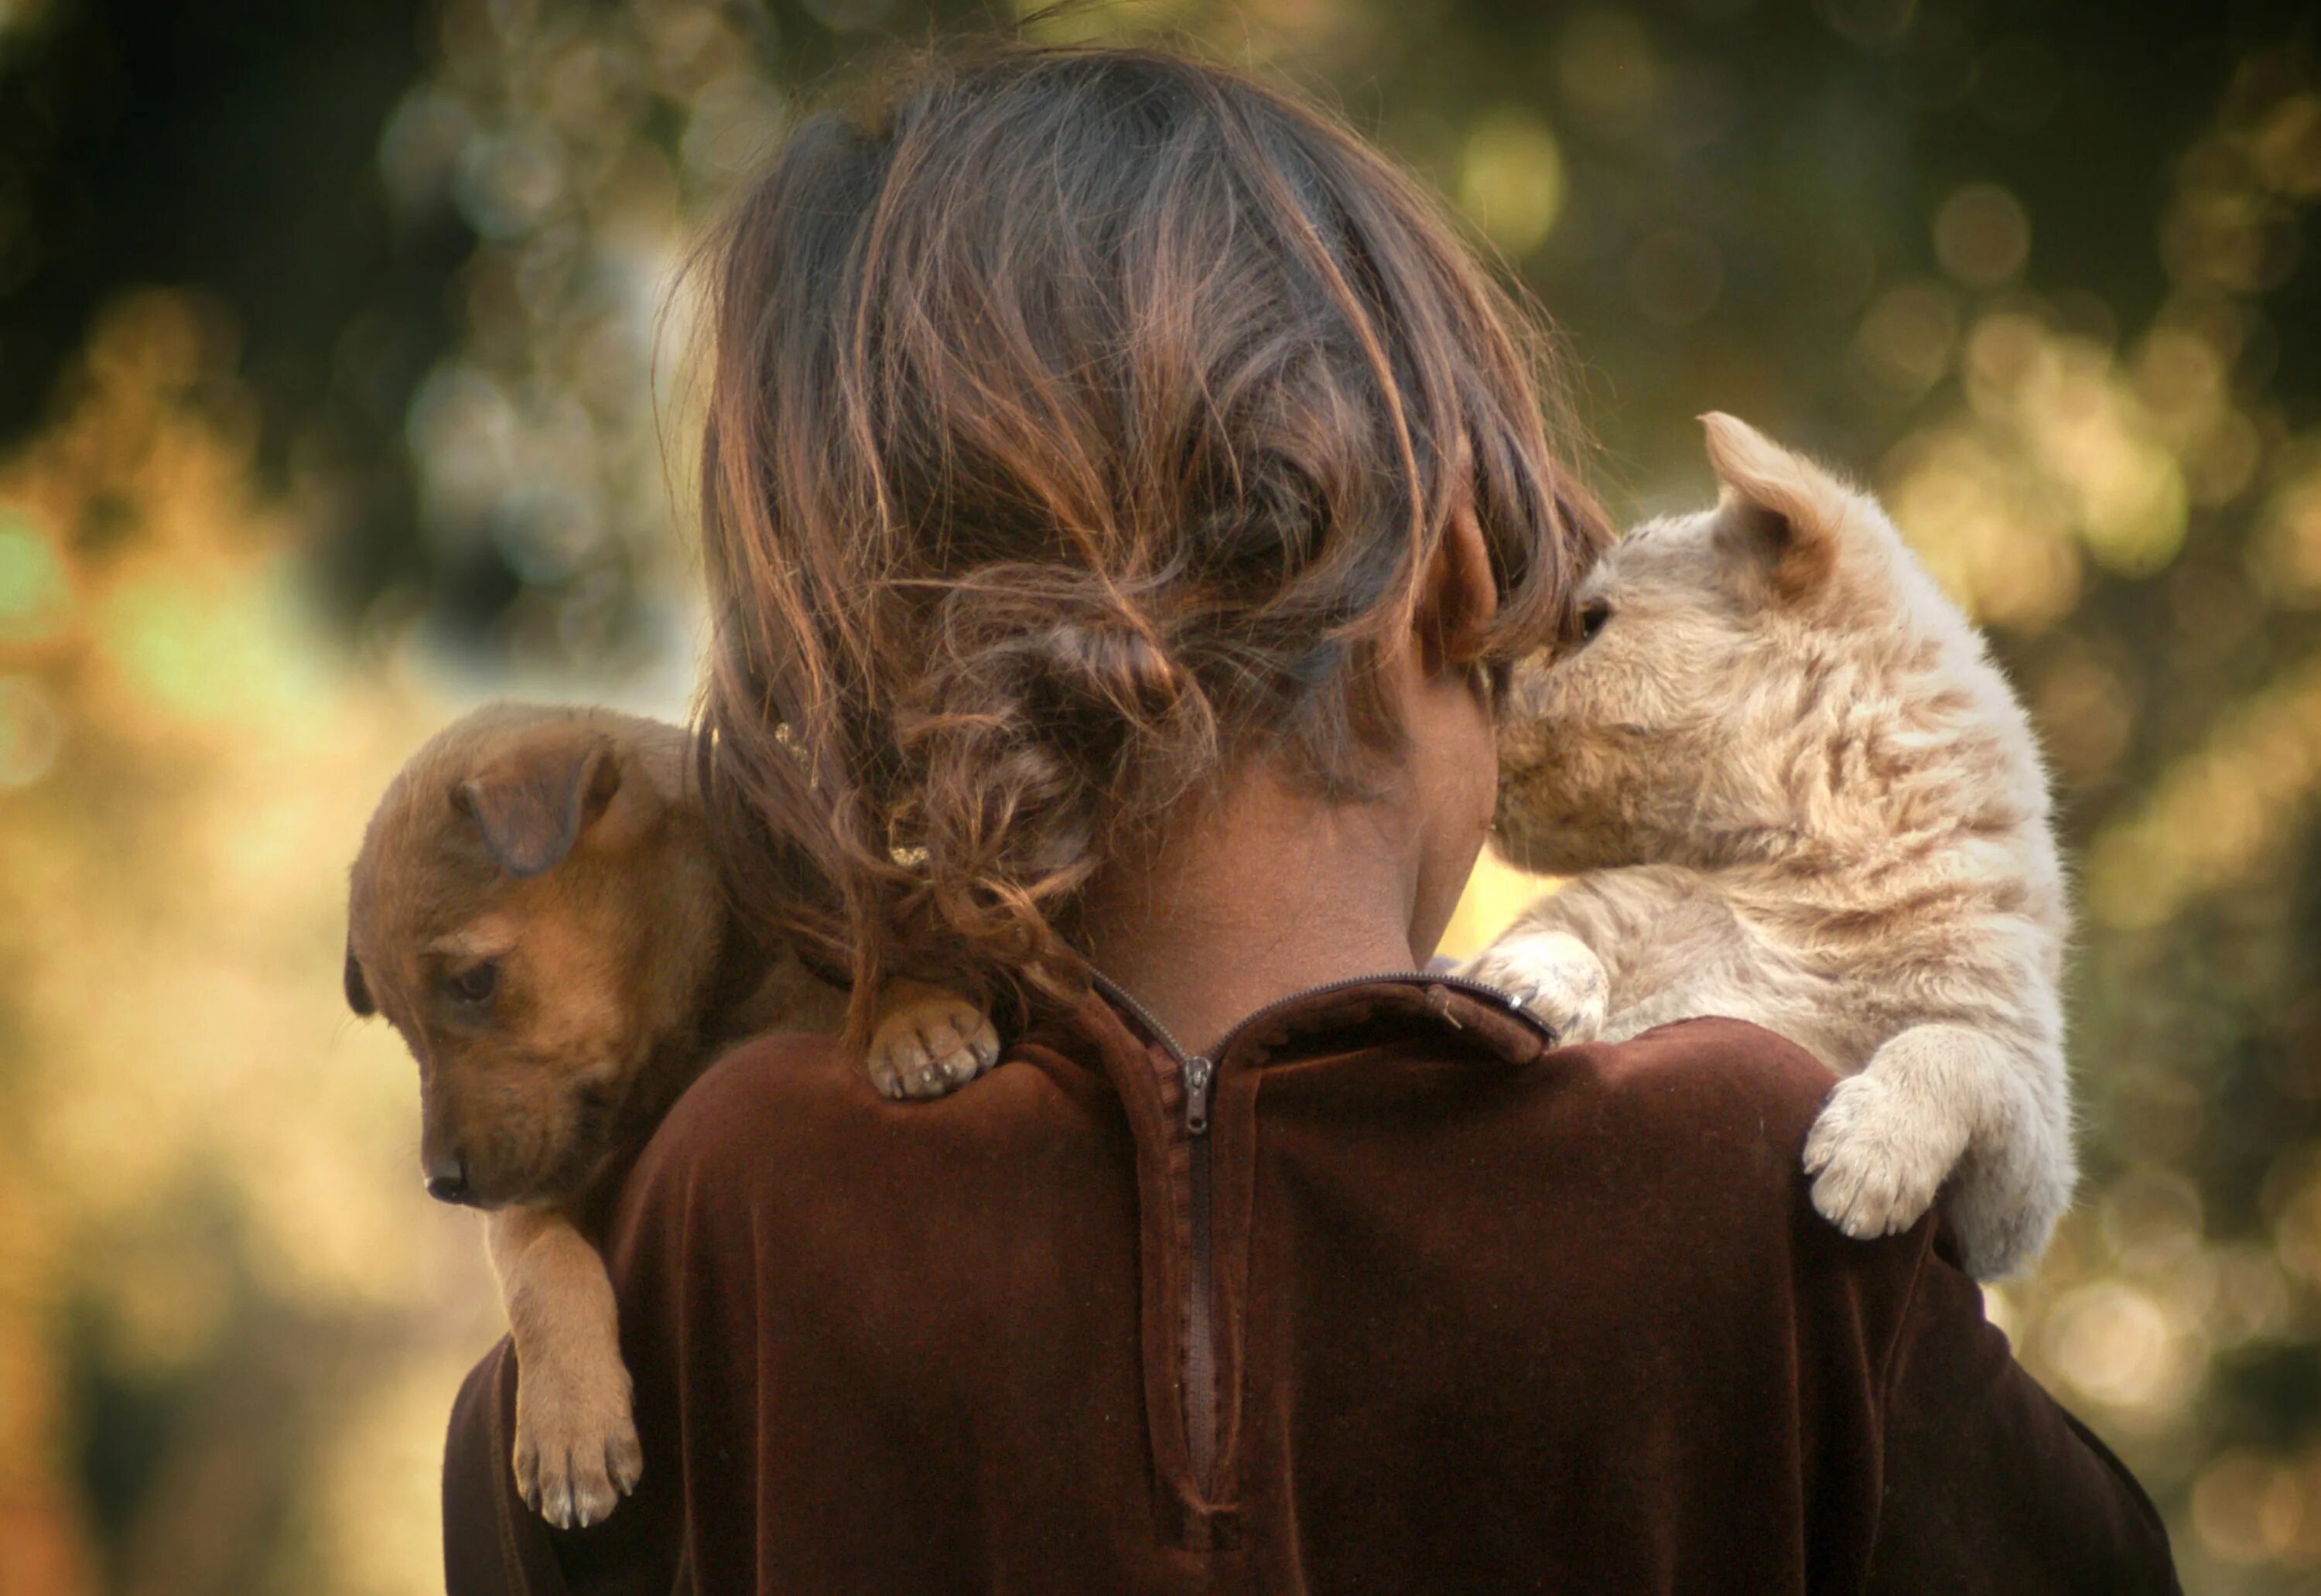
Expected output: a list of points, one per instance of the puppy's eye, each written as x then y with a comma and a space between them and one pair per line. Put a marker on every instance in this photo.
1593, 615
474, 985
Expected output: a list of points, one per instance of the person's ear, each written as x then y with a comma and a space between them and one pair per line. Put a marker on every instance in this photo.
533, 801
1791, 511
1461, 597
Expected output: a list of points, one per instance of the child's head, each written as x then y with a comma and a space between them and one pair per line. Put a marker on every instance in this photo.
1084, 424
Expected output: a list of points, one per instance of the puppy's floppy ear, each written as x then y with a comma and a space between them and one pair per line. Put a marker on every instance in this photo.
1791, 506
358, 989
533, 802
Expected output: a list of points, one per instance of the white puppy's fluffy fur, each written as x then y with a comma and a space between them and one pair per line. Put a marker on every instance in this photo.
1790, 785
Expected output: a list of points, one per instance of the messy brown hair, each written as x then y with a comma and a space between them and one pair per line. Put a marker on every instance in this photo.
1081, 422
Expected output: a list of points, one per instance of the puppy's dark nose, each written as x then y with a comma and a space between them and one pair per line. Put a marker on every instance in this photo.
447, 1180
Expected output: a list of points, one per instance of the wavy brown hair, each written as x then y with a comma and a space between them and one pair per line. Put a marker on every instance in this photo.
1081, 423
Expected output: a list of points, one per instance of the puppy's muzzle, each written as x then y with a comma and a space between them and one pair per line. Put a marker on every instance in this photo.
447, 1178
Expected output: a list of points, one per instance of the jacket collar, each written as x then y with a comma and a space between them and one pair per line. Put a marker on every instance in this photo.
1458, 1015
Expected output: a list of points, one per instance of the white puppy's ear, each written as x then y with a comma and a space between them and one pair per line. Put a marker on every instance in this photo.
1785, 504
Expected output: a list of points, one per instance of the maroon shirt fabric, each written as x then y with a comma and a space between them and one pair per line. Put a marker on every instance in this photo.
1412, 1301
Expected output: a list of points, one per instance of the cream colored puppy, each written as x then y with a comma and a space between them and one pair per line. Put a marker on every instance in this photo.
1790, 787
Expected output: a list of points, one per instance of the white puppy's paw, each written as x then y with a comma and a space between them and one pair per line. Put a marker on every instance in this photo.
1552, 973
576, 1453
1877, 1157
929, 1043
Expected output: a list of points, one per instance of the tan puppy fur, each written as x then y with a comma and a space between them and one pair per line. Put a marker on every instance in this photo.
1790, 787
536, 909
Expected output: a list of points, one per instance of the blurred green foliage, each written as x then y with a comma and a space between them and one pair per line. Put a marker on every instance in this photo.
342, 374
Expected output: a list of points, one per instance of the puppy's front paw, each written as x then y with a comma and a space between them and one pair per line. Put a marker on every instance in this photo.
1552, 973
575, 1446
1877, 1157
929, 1043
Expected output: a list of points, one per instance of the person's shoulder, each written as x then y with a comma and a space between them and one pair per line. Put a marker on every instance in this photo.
1728, 1097
1710, 1117
736, 1127
760, 1083
776, 1062
1713, 1065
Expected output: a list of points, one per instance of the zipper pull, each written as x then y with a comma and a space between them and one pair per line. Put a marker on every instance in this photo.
1199, 1072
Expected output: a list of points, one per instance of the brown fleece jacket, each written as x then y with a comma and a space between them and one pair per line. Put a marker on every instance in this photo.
1397, 1298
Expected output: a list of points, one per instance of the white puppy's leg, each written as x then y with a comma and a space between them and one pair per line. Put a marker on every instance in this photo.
576, 1443
1552, 973
1935, 1099
2017, 1176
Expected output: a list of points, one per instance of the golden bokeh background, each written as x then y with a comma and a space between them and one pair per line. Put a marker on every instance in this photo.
368, 406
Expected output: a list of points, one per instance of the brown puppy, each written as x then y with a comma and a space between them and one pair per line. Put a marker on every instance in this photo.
536, 909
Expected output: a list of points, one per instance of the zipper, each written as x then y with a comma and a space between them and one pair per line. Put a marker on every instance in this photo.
1201, 1350
1196, 1074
